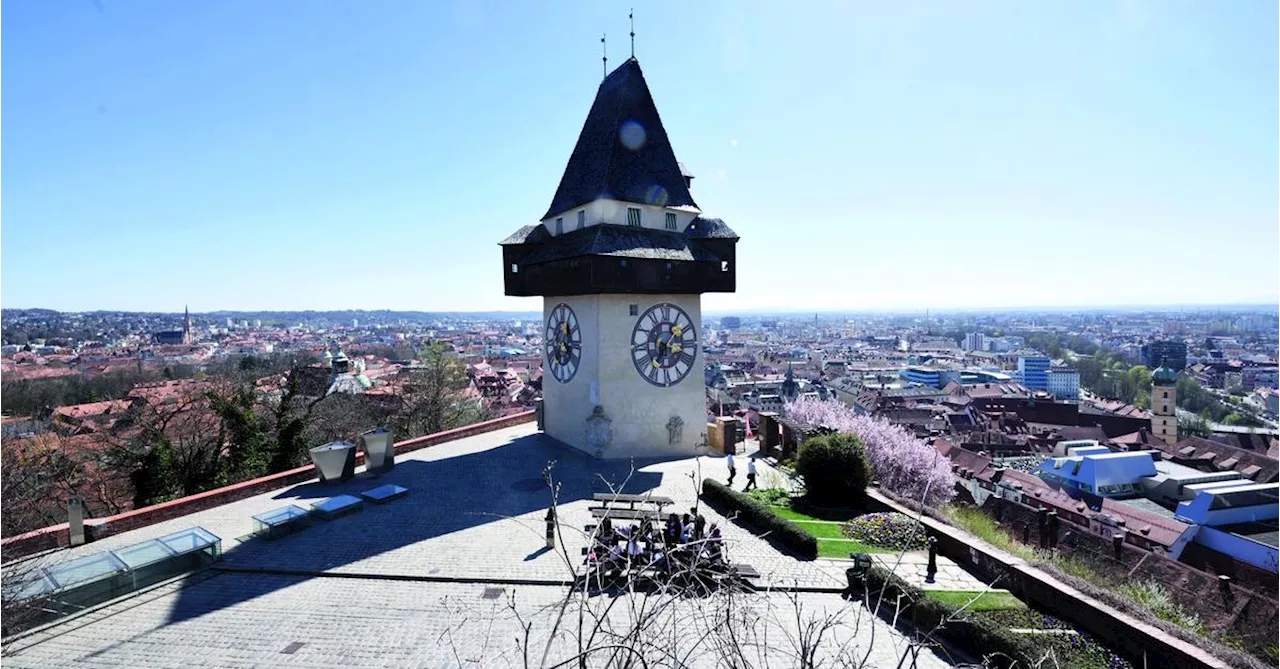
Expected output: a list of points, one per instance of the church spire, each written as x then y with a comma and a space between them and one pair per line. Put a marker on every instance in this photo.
186, 324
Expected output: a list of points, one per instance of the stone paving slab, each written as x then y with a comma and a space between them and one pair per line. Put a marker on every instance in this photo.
475, 509
913, 567
242, 620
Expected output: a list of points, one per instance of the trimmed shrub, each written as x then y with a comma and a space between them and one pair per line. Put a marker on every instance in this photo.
834, 468
887, 530
760, 517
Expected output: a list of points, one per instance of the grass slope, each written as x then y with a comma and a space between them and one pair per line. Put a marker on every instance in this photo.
986, 601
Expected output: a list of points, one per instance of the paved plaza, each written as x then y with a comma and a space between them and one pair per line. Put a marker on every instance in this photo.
426, 580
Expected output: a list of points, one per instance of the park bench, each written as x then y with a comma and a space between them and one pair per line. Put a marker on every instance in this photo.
632, 500
625, 514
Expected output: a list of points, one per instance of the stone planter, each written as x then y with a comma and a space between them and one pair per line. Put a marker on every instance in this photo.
335, 461
379, 450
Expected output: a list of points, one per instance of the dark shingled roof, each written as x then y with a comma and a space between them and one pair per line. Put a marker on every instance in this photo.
529, 234
618, 240
634, 163
710, 228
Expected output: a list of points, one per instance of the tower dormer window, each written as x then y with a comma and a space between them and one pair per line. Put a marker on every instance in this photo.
633, 216
559, 226
671, 221
582, 219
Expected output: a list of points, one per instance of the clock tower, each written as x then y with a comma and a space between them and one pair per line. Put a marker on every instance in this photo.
621, 258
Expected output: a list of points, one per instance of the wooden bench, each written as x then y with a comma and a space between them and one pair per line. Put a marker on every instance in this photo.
744, 570
632, 500
624, 514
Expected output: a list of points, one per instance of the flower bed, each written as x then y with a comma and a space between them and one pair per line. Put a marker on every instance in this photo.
1074, 650
887, 530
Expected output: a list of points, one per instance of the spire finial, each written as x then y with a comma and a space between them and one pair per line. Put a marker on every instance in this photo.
604, 57
631, 15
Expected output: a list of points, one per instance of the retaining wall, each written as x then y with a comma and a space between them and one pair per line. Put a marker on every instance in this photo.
1121, 631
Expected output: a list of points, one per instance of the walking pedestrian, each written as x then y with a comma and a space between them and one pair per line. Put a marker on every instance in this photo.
751, 474
728, 462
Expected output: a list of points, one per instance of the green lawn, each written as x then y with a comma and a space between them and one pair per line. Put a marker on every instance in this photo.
831, 542
841, 548
986, 601
791, 514
821, 530
786, 512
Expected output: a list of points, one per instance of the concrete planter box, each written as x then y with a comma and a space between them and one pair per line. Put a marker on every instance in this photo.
379, 450
334, 461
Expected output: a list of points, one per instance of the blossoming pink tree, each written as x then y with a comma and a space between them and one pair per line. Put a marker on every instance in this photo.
903, 464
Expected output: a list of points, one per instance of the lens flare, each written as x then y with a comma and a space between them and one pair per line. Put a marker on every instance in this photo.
632, 135
656, 195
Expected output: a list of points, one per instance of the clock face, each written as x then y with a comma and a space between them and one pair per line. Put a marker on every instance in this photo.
563, 342
664, 344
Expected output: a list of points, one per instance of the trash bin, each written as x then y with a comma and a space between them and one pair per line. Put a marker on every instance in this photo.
379, 450
335, 461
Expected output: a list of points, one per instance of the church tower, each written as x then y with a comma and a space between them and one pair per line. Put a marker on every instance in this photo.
1164, 404
621, 258
186, 324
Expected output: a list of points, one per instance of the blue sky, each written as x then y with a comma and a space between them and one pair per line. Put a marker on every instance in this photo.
313, 155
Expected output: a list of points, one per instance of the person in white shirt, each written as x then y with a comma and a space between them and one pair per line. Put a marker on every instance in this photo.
728, 462
751, 474
633, 547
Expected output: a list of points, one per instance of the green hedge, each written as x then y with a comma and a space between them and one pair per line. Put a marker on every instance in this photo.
983, 639
761, 517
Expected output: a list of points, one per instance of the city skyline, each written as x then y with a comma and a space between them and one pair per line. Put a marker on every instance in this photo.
352, 157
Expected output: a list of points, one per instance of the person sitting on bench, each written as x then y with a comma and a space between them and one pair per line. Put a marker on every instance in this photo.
635, 556
715, 545
672, 534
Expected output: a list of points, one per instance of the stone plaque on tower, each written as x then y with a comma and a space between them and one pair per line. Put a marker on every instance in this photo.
621, 259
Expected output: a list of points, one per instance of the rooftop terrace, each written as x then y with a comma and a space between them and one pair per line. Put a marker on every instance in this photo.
436, 578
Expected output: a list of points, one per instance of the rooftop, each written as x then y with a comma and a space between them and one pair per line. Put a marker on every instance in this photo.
623, 152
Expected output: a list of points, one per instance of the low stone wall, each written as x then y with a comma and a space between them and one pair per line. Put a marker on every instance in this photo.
1131, 636
96, 528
